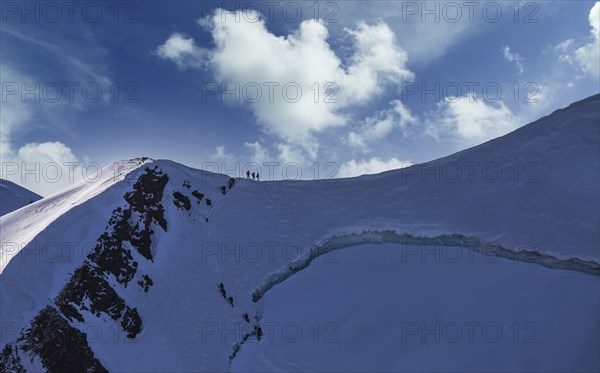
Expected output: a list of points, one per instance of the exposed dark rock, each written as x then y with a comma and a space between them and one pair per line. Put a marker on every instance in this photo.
60, 347
147, 195
208, 202
198, 195
230, 299
110, 255
231, 183
245, 316
10, 360
146, 282
181, 201
222, 290
131, 322
223, 189
259, 332
141, 238
88, 290
187, 184
146, 201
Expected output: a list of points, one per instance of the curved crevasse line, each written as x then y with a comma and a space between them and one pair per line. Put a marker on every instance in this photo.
456, 240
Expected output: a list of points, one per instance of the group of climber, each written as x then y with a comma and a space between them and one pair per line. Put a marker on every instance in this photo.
255, 175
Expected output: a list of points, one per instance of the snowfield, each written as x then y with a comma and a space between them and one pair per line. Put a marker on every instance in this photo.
185, 270
385, 308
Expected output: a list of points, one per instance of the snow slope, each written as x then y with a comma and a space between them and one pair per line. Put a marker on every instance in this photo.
383, 308
20, 227
153, 252
13, 196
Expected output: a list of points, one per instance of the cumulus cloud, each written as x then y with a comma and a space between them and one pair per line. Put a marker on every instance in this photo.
514, 57
70, 54
370, 166
470, 120
51, 166
291, 154
298, 86
377, 59
52, 151
221, 155
183, 51
246, 52
259, 155
55, 164
588, 56
564, 45
380, 125
44, 168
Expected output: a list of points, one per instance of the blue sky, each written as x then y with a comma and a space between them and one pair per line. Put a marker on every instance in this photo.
157, 63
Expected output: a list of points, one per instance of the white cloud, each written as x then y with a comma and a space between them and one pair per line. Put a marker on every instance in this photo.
377, 59
44, 168
41, 167
301, 61
183, 51
70, 54
370, 166
424, 34
46, 152
221, 155
356, 141
564, 46
588, 56
247, 52
514, 57
470, 120
260, 155
380, 125
291, 154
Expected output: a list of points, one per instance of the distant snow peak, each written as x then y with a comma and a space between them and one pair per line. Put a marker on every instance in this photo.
13, 197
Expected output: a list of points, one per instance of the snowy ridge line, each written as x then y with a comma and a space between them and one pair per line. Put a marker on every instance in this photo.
25, 224
455, 240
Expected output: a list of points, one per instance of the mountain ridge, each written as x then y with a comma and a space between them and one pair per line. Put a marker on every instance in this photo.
161, 231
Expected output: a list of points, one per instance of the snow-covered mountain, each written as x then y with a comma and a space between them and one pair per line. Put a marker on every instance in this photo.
13, 196
486, 260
